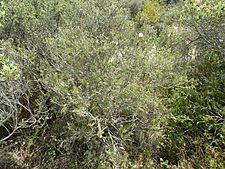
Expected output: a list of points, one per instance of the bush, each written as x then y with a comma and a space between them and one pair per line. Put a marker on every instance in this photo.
196, 125
89, 63
94, 90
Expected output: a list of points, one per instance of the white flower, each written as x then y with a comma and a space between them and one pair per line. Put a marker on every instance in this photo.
140, 34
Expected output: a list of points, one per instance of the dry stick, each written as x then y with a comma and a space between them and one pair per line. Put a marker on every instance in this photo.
4, 139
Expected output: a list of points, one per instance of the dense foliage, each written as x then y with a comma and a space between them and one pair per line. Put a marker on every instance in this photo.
112, 84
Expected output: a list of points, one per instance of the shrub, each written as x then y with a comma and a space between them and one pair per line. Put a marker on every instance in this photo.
151, 12
88, 63
196, 125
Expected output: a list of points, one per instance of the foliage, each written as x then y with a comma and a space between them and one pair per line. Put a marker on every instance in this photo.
94, 90
8, 69
89, 63
151, 12
196, 125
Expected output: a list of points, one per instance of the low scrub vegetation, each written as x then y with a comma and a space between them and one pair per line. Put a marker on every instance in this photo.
112, 84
